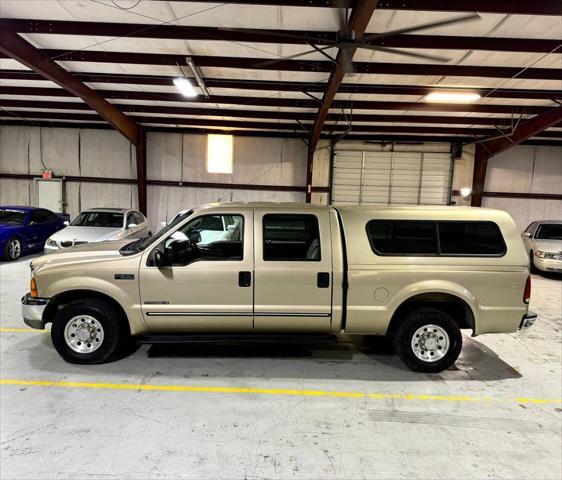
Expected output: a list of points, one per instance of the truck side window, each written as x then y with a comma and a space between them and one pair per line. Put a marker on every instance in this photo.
291, 237
402, 237
206, 238
470, 238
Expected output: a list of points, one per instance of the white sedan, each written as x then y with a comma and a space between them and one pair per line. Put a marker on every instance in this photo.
543, 241
98, 225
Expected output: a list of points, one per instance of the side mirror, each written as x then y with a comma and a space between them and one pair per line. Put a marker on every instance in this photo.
66, 223
132, 225
195, 237
159, 259
526, 234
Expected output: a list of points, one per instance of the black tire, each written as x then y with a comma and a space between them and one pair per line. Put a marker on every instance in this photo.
421, 318
9, 252
114, 334
532, 267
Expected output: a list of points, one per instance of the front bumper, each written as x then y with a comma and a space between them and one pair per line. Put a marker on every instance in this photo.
48, 249
32, 311
528, 320
548, 264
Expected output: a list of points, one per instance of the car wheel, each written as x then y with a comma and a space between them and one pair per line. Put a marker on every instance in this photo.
13, 249
87, 332
428, 340
532, 267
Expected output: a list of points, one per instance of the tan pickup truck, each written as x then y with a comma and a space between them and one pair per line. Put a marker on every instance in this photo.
418, 274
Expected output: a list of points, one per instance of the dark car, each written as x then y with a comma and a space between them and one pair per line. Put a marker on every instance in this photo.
25, 229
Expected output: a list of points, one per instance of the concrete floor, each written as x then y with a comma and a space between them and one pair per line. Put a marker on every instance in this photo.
497, 414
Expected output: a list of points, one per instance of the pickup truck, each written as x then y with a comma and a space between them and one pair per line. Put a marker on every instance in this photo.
417, 274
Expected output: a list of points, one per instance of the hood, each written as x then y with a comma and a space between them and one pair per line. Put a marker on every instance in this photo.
552, 246
82, 253
84, 234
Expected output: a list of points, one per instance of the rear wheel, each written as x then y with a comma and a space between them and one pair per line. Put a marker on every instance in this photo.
13, 249
428, 340
87, 332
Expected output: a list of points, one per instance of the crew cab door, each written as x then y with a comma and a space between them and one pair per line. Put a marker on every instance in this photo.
293, 271
208, 284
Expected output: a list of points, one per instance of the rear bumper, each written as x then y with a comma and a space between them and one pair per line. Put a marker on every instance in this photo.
528, 320
32, 311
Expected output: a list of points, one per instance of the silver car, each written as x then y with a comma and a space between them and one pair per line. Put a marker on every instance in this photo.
543, 241
98, 225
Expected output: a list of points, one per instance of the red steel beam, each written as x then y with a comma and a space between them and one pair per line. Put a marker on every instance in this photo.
303, 65
245, 84
534, 7
14, 46
183, 32
492, 147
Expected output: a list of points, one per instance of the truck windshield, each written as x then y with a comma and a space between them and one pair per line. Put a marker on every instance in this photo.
12, 217
550, 231
140, 245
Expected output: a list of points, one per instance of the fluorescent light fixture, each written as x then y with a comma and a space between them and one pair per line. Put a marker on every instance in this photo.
219, 153
465, 191
451, 97
185, 87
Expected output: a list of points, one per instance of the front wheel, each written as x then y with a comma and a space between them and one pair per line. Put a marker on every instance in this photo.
87, 332
428, 340
532, 267
13, 249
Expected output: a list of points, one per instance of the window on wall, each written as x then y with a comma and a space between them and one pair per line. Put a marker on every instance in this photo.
291, 237
402, 237
219, 153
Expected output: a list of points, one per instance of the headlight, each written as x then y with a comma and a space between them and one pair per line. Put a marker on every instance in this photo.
539, 253
51, 243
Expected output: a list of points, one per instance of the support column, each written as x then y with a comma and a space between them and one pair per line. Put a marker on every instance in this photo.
141, 169
479, 177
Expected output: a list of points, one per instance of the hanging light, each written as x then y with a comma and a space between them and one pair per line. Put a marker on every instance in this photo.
185, 87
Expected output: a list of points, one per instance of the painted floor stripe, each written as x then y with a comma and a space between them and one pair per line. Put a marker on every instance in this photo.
273, 391
22, 330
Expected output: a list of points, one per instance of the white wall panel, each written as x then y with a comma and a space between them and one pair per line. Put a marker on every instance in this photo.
15, 192
106, 153
526, 169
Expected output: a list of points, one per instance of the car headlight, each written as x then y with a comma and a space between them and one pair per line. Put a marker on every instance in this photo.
539, 253
51, 243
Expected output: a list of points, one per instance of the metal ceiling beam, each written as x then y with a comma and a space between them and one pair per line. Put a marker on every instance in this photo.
357, 24
14, 46
273, 102
181, 32
236, 124
265, 114
303, 65
487, 149
534, 7
244, 84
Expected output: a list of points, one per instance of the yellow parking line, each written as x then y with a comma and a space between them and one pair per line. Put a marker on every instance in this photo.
22, 330
272, 391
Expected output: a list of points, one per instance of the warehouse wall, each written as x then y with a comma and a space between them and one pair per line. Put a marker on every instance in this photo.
170, 156
526, 169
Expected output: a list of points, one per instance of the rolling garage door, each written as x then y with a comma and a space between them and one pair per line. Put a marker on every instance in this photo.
391, 178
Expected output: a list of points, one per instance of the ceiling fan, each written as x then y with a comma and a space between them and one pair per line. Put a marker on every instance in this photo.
346, 40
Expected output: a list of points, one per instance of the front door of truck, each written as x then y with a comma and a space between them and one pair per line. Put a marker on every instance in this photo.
293, 271
207, 283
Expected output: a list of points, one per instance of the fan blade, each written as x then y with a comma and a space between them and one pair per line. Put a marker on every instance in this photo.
424, 26
292, 57
266, 33
405, 53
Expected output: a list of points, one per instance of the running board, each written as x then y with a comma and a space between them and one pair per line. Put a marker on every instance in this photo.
170, 338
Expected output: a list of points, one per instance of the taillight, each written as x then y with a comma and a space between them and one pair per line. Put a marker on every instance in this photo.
33, 288
527, 293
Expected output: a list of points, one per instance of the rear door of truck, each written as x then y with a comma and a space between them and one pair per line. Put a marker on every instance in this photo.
293, 270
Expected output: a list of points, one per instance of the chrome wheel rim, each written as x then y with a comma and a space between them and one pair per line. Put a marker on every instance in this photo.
14, 249
83, 334
430, 343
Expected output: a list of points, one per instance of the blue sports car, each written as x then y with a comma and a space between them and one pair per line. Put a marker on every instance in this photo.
25, 229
